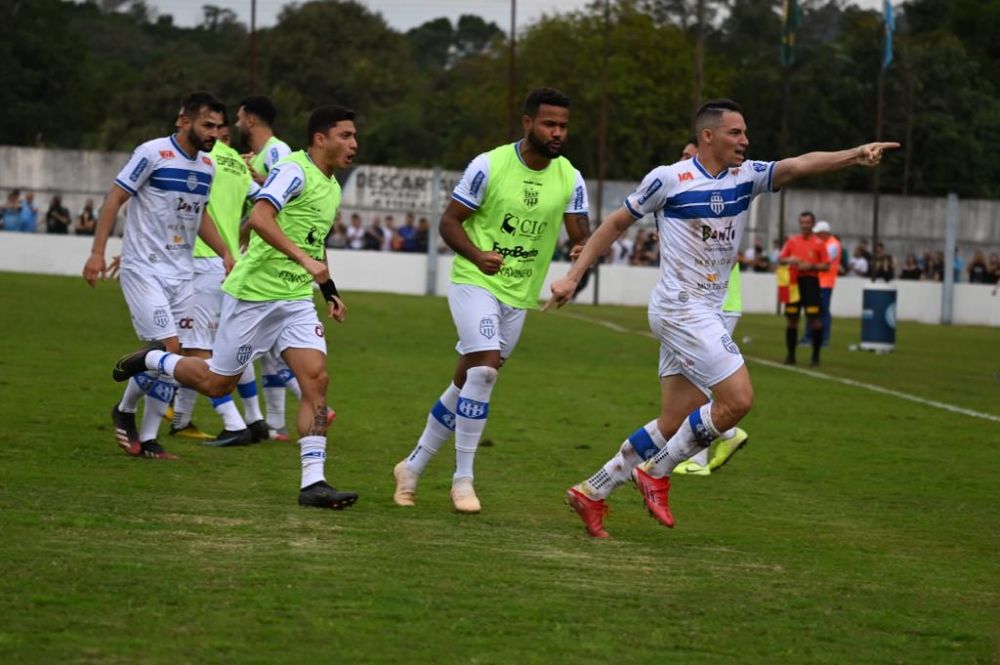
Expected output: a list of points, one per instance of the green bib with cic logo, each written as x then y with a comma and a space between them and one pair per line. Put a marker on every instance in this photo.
520, 219
267, 274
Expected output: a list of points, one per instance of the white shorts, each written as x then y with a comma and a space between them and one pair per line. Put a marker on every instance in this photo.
206, 309
731, 319
696, 344
248, 330
159, 306
483, 322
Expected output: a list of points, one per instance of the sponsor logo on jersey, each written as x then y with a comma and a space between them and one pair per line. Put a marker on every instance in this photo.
206, 160
517, 252
292, 186
139, 168
187, 323
653, 187
167, 154
477, 182
311, 236
686, 176
716, 203
487, 328
759, 167
320, 331
727, 234
528, 228
243, 354
294, 278
184, 206
516, 273
712, 277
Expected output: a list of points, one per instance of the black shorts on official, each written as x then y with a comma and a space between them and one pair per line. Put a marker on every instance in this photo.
809, 298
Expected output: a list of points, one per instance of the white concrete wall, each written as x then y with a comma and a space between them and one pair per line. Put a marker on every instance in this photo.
974, 304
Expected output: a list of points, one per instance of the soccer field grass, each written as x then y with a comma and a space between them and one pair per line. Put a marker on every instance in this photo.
857, 527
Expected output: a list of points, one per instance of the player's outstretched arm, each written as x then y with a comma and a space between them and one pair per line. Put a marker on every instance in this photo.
454, 235
818, 163
613, 226
95, 266
264, 222
208, 232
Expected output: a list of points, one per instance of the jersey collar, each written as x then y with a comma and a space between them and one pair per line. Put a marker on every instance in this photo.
517, 151
704, 171
173, 139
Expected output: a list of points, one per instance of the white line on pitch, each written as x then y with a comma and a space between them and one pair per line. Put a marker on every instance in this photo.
814, 374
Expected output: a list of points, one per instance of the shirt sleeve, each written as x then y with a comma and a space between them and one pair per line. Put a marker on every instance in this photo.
578, 203
650, 196
279, 150
471, 189
761, 174
252, 190
136, 172
283, 184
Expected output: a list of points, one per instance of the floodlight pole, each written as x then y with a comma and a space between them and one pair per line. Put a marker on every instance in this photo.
253, 46
511, 113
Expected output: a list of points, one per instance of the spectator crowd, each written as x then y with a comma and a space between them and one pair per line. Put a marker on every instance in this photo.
21, 214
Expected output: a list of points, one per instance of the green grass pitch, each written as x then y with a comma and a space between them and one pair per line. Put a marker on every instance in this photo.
857, 527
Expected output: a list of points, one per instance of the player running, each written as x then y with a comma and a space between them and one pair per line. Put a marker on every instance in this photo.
168, 181
700, 207
503, 223
269, 295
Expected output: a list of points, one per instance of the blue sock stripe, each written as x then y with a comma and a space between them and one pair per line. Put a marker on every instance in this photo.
642, 443
443, 415
286, 375
144, 381
248, 389
219, 401
159, 365
472, 409
162, 391
273, 381
701, 433
315, 454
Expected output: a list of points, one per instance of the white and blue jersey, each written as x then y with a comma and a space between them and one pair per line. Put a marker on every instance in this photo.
700, 220
169, 190
471, 189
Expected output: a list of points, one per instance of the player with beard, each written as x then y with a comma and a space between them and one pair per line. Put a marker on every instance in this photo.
268, 299
168, 180
503, 223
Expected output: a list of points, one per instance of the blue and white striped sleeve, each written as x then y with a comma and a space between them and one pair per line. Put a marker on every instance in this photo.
276, 151
135, 173
471, 189
650, 195
283, 184
578, 203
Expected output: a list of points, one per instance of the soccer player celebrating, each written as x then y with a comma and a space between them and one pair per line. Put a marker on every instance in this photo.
503, 223
700, 207
168, 180
230, 189
268, 295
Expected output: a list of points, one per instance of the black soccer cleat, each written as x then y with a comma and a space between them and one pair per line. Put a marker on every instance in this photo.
259, 431
126, 433
153, 450
322, 495
134, 363
229, 437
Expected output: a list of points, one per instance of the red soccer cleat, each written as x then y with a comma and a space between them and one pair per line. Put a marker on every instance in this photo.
654, 493
591, 511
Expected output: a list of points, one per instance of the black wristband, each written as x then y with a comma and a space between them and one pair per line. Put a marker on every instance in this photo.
329, 290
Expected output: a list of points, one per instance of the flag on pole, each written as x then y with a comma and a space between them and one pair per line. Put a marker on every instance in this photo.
793, 16
890, 27
788, 283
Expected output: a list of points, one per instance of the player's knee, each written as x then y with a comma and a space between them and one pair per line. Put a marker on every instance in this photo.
216, 385
741, 403
482, 374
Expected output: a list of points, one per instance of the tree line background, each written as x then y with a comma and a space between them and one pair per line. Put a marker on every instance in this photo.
108, 75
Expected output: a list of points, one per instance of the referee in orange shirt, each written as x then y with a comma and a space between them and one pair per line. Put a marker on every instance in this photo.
808, 254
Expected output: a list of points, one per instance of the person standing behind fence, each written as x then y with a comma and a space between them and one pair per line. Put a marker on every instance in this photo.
12, 211
57, 218
86, 221
29, 214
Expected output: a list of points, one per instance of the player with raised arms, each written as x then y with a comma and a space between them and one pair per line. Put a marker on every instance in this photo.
268, 298
167, 182
503, 222
700, 207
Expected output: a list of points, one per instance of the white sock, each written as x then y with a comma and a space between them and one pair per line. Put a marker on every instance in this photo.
293, 384
247, 387
313, 455
438, 431
695, 433
184, 406
226, 408
163, 362
136, 387
470, 417
273, 387
643, 443
157, 400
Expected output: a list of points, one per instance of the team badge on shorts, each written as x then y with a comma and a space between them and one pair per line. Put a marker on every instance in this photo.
319, 331
243, 353
487, 328
729, 345
160, 317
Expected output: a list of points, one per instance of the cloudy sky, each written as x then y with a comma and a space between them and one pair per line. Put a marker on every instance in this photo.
400, 14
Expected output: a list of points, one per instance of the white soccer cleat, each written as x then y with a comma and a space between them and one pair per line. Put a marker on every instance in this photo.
463, 496
406, 485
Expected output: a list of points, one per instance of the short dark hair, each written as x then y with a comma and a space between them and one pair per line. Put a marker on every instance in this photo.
806, 213
325, 117
540, 96
194, 102
262, 107
710, 112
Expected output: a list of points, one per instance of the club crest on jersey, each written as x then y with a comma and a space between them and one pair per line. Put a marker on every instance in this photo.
716, 204
192, 181
487, 328
530, 197
243, 353
160, 317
